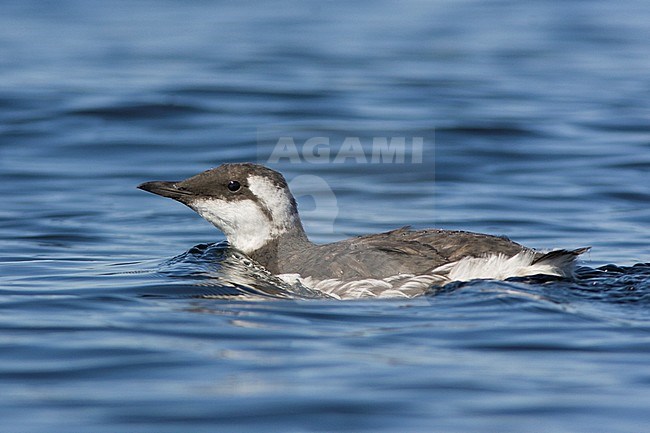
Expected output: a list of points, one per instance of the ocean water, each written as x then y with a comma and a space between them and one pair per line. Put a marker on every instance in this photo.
523, 119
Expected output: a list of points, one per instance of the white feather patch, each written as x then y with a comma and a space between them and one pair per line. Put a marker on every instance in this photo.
501, 267
277, 201
396, 286
243, 222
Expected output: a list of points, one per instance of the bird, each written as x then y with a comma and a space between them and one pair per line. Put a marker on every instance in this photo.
253, 207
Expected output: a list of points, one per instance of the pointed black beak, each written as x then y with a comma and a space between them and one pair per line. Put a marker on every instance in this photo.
166, 189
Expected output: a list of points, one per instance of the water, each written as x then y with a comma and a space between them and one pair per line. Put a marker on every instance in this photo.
534, 119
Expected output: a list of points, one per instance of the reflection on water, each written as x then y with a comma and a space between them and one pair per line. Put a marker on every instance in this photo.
224, 273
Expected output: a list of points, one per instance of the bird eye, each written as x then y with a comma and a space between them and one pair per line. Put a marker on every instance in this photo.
234, 186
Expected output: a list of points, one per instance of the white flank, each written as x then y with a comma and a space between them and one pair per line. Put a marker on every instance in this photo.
396, 286
500, 267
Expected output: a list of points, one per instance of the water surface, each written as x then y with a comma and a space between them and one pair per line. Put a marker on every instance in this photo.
534, 121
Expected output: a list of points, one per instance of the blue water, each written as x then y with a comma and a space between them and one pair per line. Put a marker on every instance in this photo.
535, 124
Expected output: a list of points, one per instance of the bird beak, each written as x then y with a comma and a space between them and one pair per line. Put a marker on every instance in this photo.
166, 189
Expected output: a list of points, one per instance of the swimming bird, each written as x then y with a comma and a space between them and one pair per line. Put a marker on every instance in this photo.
252, 205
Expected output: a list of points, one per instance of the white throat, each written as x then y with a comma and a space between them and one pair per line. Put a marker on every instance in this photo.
246, 223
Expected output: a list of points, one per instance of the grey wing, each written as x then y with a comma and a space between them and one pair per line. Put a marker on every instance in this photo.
378, 256
405, 251
454, 245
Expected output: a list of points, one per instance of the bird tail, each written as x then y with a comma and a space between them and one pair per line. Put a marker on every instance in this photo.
562, 261
559, 263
